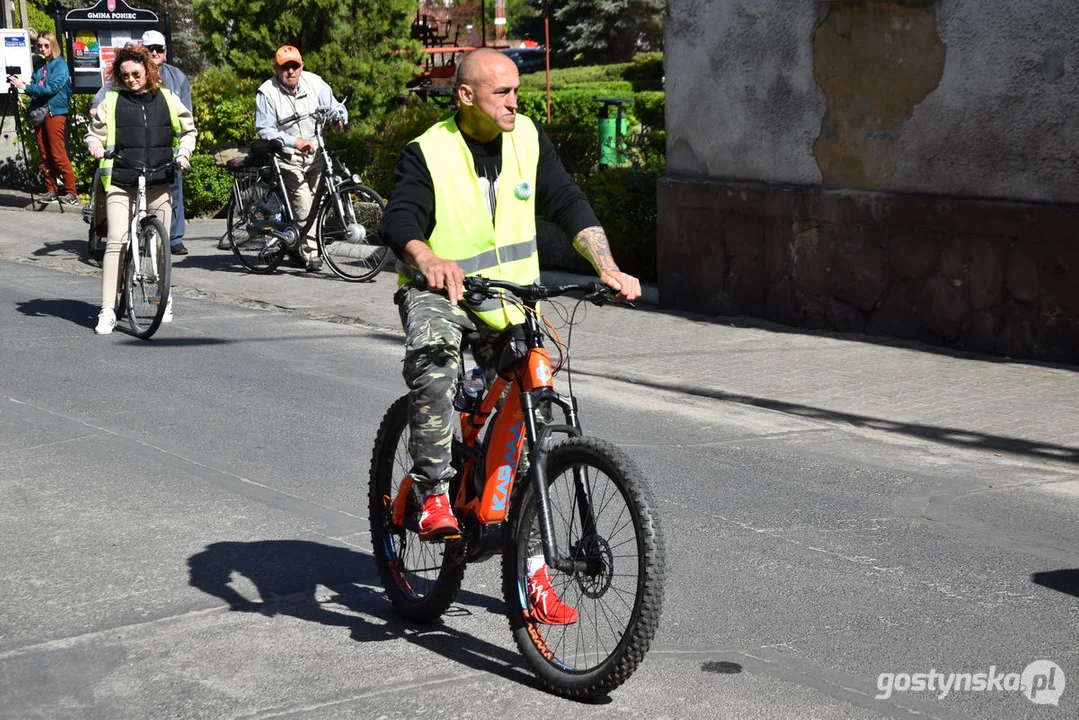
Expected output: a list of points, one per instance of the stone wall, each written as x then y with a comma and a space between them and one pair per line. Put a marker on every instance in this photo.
984, 276
894, 167
977, 98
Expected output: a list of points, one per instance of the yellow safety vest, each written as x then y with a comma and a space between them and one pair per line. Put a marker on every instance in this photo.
110, 138
505, 249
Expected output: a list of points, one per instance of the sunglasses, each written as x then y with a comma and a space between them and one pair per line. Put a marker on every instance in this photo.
43, 45
159, 49
291, 66
132, 76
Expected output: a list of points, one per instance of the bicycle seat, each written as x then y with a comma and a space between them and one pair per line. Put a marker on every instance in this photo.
265, 147
260, 153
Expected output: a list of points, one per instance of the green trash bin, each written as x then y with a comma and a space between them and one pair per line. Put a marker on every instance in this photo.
612, 131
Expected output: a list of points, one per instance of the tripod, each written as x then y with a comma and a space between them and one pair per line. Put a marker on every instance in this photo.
11, 104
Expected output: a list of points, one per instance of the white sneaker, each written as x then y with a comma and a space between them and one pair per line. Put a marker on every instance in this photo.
167, 317
106, 321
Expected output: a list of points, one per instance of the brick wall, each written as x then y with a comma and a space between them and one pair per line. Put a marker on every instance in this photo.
988, 276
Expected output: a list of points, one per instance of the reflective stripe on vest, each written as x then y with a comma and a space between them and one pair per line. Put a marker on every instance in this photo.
505, 249
111, 98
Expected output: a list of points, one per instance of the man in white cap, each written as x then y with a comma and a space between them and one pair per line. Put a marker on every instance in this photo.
174, 79
291, 92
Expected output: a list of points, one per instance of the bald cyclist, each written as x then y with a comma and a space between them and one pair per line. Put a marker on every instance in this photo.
464, 203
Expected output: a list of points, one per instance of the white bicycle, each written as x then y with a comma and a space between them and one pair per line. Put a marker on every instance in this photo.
147, 268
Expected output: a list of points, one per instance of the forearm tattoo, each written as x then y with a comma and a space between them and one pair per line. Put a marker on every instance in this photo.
592, 244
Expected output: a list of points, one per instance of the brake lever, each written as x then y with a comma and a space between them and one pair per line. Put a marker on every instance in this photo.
600, 294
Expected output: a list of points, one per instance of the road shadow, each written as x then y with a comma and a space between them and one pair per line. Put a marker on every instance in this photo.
63, 249
916, 344
220, 261
84, 314
78, 312
1064, 581
288, 573
955, 437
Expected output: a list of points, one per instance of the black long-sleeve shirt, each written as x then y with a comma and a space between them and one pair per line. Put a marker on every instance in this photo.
410, 212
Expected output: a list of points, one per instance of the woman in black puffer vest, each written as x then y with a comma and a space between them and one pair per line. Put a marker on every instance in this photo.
144, 123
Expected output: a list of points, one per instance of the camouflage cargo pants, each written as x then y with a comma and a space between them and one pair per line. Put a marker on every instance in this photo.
433, 331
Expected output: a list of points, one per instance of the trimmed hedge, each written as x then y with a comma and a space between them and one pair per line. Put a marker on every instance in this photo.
206, 187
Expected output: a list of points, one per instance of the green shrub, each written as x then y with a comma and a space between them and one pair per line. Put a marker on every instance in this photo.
624, 199
578, 107
206, 187
224, 108
577, 146
78, 122
648, 108
381, 149
645, 72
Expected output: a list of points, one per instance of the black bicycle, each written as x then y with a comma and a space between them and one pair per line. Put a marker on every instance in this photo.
262, 227
94, 216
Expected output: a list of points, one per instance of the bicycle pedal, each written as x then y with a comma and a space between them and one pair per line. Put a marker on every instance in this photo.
439, 538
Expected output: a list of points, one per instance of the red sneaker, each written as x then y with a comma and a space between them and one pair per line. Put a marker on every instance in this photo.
437, 521
547, 607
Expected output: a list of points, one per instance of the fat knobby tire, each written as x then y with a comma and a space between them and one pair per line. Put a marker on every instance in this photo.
620, 663
411, 605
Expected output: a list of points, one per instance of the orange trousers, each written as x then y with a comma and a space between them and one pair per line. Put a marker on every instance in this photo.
55, 164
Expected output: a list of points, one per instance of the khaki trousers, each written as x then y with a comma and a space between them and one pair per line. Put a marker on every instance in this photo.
301, 178
119, 205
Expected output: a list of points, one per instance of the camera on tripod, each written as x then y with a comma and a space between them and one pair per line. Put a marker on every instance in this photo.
11, 71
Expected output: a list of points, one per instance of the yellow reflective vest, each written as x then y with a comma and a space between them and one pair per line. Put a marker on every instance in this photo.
109, 103
504, 249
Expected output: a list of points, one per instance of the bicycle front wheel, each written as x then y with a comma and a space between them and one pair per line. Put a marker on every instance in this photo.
421, 579
256, 251
351, 245
146, 289
603, 519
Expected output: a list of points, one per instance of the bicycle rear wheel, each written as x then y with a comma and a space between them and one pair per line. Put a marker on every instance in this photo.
95, 246
353, 247
421, 579
256, 251
146, 291
602, 514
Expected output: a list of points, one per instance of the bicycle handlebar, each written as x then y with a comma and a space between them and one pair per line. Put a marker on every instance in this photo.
141, 167
478, 288
321, 114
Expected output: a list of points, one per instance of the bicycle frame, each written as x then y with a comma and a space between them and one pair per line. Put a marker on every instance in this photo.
487, 496
139, 215
133, 230
329, 182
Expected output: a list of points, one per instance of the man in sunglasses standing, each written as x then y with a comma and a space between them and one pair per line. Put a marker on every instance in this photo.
173, 79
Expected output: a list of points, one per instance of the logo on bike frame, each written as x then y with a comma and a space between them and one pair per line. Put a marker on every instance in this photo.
543, 373
505, 472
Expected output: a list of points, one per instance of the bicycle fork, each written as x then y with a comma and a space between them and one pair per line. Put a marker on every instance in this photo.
538, 438
135, 233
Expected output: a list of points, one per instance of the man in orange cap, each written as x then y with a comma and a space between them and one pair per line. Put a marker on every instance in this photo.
292, 95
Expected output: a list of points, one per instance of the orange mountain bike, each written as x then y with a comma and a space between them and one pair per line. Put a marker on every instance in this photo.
536, 492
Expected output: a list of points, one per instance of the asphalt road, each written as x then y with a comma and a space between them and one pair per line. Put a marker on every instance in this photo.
148, 487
